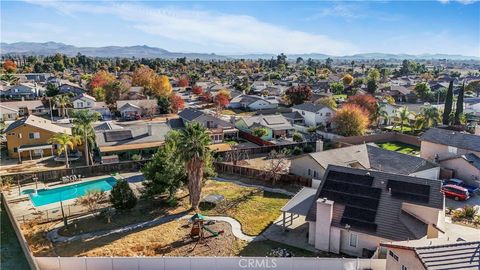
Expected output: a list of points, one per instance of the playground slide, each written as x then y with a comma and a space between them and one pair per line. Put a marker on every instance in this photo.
212, 231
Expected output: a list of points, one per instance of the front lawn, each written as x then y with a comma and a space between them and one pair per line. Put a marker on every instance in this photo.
400, 147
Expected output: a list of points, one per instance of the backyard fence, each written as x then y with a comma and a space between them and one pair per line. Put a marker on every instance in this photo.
261, 150
84, 171
207, 263
261, 174
18, 232
379, 138
254, 139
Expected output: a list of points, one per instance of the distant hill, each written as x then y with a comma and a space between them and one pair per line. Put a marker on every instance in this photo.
143, 51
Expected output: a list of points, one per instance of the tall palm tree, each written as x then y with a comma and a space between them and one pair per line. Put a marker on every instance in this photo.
82, 122
193, 145
429, 117
402, 118
62, 101
65, 141
380, 112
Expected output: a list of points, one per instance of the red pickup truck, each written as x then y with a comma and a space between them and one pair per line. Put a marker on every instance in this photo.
456, 192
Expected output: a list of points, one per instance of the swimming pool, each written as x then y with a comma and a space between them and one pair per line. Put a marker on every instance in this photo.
48, 196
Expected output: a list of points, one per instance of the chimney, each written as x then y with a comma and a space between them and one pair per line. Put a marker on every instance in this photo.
323, 224
149, 129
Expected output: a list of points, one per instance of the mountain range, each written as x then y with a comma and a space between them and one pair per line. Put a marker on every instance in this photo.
144, 51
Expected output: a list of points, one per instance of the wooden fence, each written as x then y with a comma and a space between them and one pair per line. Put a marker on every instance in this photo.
261, 174
254, 139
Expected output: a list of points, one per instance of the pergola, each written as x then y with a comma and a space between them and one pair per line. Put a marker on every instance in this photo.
31, 148
297, 206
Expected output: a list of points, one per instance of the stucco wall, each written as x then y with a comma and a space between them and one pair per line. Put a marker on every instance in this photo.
429, 150
463, 170
14, 141
433, 173
300, 165
364, 241
405, 257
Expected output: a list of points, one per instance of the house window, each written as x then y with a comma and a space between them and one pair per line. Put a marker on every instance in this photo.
309, 172
34, 135
314, 174
394, 256
404, 267
452, 150
15, 149
19, 135
303, 113
353, 239
328, 114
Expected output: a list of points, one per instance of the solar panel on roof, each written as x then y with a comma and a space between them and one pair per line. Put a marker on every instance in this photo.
409, 191
118, 135
365, 180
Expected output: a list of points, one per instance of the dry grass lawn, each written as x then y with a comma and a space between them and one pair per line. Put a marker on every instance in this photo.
252, 207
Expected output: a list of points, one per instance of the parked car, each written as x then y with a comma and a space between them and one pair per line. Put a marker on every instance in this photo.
456, 192
457, 182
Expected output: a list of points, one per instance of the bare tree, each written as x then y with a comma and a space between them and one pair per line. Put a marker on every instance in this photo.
277, 164
91, 200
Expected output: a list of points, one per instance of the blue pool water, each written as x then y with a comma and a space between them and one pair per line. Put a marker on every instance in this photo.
48, 196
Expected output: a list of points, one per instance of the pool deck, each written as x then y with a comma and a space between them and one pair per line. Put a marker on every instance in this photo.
24, 210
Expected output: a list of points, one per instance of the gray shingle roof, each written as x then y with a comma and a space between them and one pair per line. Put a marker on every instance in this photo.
139, 134
473, 159
394, 162
390, 222
452, 138
310, 107
189, 114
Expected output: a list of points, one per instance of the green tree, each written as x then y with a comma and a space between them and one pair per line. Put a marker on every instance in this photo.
165, 172
52, 90
122, 196
423, 91
447, 111
260, 132
164, 105
64, 141
428, 117
297, 137
82, 122
372, 86
402, 118
327, 101
337, 88
459, 108
194, 149
63, 102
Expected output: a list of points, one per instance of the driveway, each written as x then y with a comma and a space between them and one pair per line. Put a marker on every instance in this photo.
475, 201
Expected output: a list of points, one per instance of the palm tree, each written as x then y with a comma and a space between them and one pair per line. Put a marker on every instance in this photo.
429, 117
65, 141
380, 112
83, 120
402, 118
62, 101
193, 145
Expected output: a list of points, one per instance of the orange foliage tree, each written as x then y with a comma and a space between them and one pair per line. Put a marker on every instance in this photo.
177, 103
366, 102
161, 86
347, 79
9, 66
183, 81
351, 120
197, 90
143, 76
100, 79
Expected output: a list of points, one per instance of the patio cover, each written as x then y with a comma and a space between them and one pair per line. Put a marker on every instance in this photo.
301, 202
34, 147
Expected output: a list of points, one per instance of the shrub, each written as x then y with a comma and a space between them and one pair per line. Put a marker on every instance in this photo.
297, 151
136, 157
122, 196
469, 212
308, 149
297, 137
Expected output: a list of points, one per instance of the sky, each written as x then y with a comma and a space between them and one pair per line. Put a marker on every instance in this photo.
241, 27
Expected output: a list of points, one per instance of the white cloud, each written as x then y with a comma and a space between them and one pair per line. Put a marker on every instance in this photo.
227, 32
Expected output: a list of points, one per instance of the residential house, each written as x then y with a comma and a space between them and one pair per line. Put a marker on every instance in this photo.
363, 156
67, 87
139, 107
391, 111
28, 137
400, 93
23, 91
253, 103
84, 101
125, 141
8, 114
294, 117
315, 114
218, 129
354, 210
259, 86
277, 126
28, 107
455, 151
134, 93
459, 251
